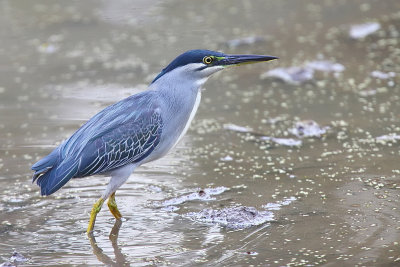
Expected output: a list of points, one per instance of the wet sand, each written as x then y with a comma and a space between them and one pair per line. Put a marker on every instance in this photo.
61, 63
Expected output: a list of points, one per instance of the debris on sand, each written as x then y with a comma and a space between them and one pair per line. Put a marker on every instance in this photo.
359, 31
251, 253
7, 264
15, 259
47, 48
283, 141
325, 66
201, 194
233, 217
292, 75
300, 74
240, 217
276, 119
237, 128
277, 205
382, 75
308, 128
251, 40
387, 138
365, 93
226, 158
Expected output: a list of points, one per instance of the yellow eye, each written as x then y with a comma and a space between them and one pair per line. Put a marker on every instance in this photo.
208, 60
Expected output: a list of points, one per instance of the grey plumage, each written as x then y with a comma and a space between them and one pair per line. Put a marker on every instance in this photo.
123, 133
136, 130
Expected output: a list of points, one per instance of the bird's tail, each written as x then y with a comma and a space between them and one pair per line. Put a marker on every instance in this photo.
52, 172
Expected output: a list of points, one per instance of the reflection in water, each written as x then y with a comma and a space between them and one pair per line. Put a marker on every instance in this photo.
120, 258
63, 61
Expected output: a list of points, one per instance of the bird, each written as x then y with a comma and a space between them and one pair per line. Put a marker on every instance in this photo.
136, 130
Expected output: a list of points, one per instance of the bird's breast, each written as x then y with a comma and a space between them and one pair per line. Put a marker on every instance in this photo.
176, 122
191, 116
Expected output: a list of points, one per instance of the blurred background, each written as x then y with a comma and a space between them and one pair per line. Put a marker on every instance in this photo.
297, 159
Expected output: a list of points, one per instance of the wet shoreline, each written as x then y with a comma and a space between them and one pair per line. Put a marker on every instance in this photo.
64, 62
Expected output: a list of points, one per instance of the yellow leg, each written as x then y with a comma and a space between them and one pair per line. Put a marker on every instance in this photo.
112, 205
96, 209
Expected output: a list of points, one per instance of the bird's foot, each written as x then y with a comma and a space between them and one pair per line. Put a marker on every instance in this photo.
112, 205
96, 209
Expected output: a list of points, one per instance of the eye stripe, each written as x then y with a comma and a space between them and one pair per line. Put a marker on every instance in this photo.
201, 68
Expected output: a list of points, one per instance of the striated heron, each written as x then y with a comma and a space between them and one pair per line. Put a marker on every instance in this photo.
135, 130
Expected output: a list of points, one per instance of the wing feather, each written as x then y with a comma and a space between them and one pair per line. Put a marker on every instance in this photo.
123, 133
112, 151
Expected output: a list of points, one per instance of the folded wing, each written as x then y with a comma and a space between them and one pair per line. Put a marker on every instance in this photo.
124, 133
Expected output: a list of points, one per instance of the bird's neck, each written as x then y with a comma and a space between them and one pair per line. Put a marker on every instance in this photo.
180, 92
179, 99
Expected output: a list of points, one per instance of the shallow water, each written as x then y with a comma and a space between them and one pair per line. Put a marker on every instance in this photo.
63, 62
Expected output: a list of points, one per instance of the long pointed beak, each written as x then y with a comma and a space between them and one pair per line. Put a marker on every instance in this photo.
235, 60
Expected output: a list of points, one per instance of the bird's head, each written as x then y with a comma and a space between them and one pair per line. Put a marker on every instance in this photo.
198, 65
